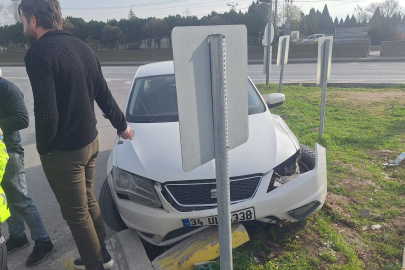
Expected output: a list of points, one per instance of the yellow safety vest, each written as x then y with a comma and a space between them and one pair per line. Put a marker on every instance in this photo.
4, 211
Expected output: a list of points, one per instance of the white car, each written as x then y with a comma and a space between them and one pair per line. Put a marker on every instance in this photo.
312, 39
274, 179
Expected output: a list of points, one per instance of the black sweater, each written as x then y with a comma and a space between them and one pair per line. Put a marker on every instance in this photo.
66, 79
13, 115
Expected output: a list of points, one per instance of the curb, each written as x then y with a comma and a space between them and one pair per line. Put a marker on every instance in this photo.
124, 247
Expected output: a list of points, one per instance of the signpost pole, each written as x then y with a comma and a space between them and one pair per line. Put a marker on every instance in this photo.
268, 56
324, 78
284, 47
219, 97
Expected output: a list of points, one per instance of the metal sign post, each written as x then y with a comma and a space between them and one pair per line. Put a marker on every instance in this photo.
219, 98
282, 57
210, 64
268, 55
324, 65
265, 42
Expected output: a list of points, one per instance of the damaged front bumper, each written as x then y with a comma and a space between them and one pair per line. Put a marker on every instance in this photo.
290, 202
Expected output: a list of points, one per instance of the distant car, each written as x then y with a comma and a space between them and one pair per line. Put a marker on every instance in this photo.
311, 39
273, 179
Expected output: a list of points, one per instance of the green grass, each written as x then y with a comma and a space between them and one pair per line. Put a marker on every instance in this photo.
363, 129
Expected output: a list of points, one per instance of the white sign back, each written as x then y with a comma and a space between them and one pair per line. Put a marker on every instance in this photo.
265, 39
321, 53
194, 97
280, 47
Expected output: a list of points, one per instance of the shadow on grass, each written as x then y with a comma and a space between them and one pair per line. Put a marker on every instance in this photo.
266, 238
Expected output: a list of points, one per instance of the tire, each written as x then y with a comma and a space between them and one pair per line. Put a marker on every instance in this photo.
307, 161
109, 210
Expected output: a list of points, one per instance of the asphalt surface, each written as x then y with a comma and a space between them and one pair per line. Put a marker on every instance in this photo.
119, 80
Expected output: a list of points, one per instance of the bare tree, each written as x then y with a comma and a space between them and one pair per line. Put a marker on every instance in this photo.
10, 13
388, 8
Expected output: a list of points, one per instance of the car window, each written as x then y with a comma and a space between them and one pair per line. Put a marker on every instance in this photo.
311, 37
154, 100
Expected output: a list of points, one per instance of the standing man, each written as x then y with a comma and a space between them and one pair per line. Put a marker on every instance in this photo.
66, 79
14, 117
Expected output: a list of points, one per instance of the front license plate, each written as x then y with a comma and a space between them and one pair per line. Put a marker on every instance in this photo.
237, 216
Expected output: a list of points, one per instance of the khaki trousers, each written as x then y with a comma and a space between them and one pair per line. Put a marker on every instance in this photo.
71, 177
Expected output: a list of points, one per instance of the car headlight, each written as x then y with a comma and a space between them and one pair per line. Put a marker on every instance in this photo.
137, 188
285, 172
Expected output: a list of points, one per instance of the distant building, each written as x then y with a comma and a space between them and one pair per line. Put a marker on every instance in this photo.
352, 34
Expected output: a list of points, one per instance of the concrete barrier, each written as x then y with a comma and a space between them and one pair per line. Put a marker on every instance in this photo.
392, 48
340, 50
135, 55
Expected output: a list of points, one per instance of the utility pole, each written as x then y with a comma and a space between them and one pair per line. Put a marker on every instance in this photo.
287, 24
268, 56
187, 13
275, 15
232, 5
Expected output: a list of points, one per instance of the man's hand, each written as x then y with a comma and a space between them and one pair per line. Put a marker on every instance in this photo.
126, 134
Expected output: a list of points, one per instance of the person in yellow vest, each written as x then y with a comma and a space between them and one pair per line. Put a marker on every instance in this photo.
4, 212
13, 118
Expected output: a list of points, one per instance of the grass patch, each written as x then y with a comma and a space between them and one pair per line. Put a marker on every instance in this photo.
363, 129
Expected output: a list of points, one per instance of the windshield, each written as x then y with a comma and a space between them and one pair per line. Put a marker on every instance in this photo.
154, 100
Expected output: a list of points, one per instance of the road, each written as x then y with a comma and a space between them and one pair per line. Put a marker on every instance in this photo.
119, 79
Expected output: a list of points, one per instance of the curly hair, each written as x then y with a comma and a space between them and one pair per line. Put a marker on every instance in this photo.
47, 12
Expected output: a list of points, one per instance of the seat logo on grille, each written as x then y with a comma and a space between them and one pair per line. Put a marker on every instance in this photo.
213, 193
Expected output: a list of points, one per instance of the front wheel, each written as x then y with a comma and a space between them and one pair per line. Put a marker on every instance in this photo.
109, 210
307, 161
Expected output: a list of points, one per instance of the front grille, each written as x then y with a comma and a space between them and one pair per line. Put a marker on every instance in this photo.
196, 195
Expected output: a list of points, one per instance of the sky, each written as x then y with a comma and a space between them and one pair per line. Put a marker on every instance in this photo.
107, 9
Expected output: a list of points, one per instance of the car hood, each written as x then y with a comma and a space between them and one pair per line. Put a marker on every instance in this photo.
155, 151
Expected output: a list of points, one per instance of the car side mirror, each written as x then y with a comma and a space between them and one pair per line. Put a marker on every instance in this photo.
275, 100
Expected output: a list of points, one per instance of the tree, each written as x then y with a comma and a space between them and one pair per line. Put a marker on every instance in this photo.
376, 19
11, 13
325, 25
80, 27
312, 21
336, 22
155, 29
347, 20
294, 14
386, 8
93, 43
131, 14
68, 26
110, 36
353, 20
383, 28
341, 21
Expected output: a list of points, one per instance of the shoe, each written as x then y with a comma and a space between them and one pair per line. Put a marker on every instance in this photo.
108, 262
41, 251
14, 244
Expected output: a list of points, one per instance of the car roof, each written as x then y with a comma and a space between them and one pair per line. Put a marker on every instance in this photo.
156, 69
